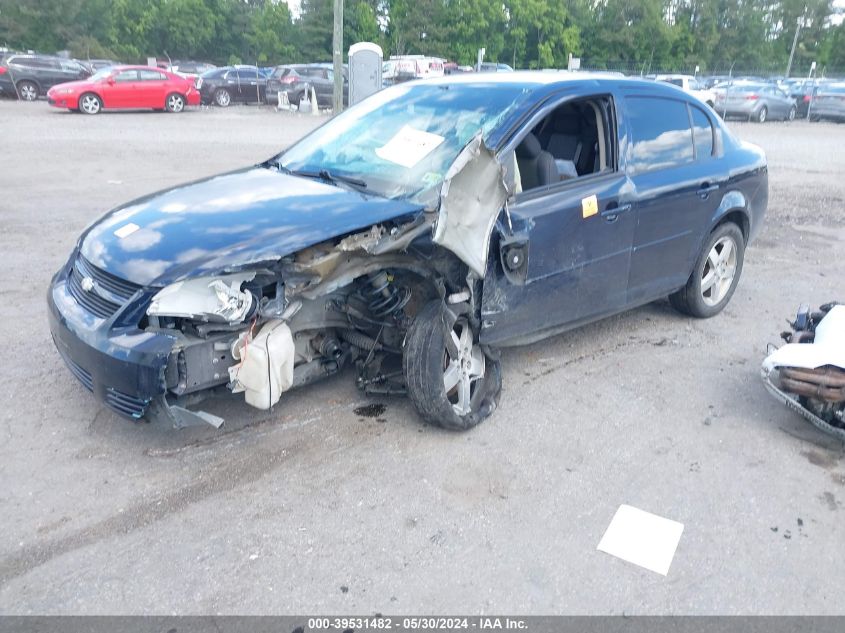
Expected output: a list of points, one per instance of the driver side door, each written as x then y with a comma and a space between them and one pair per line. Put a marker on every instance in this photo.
567, 258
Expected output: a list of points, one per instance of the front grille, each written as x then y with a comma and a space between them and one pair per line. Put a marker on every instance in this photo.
106, 295
125, 404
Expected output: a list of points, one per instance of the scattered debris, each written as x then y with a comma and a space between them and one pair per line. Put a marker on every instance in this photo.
808, 373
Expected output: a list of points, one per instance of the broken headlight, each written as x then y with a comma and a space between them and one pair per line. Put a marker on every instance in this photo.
218, 299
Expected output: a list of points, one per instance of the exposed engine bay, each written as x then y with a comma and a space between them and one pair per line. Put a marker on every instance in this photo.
343, 302
808, 373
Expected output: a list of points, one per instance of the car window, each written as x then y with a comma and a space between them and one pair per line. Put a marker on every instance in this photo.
70, 65
30, 62
126, 75
702, 132
151, 75
248, 74
660, 134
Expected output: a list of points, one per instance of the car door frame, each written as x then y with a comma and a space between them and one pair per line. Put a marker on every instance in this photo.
663, 254
534, 302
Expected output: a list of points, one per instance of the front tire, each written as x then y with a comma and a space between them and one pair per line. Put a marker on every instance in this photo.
715, 276
27, 90
89, 103
175, 103
452, 382
222, 98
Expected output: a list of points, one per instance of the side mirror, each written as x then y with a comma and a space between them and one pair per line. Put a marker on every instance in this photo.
110, 81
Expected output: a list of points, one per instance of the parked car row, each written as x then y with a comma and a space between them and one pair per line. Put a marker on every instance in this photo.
249, 84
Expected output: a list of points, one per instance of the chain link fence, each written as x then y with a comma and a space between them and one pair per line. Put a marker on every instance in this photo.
735, 69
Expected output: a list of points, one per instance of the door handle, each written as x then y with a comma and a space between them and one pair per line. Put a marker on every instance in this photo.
611, 213
706, 189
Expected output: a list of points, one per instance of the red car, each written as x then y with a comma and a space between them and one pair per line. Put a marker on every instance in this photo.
126, 87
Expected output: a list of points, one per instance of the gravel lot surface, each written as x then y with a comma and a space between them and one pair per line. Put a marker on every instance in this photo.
313, 508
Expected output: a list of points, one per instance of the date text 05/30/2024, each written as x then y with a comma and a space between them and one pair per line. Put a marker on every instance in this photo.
416, 623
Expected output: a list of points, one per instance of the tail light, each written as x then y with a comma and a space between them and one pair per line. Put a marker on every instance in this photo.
288, 79
752, 97
2, 70
806, 98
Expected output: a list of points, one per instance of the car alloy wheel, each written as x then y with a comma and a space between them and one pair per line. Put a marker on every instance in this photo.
719, 271
222, 98
463, 367
451, 379
175, 103
28, 91
90, 104
762, 115
791, 115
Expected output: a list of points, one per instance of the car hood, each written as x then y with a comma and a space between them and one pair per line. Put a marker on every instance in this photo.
73, 85
227, 221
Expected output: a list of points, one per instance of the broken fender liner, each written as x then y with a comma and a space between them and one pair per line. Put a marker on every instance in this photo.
472, 194
266, 367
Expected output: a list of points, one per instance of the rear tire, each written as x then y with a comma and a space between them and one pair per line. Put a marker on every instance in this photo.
715, 275
453, 387
174, 102
792, 113
762, 115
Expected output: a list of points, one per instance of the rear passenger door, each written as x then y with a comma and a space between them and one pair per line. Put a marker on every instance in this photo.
677, 188
152, 86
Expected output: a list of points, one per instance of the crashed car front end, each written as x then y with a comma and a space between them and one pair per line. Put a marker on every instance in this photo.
267, 279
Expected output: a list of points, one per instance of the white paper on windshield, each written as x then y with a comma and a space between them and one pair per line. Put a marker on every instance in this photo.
409, 146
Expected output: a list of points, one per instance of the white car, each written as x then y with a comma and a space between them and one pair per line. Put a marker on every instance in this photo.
691, 85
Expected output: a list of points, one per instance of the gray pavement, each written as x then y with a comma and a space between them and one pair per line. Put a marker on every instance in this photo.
312, 508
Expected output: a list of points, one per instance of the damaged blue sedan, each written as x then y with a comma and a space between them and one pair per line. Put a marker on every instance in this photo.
410, 238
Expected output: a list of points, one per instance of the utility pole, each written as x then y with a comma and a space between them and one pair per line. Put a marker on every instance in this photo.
794, 42
337, 57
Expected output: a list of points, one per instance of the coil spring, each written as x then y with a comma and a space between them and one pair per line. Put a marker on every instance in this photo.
384, 297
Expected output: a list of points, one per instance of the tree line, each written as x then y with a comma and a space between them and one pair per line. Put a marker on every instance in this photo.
632, 35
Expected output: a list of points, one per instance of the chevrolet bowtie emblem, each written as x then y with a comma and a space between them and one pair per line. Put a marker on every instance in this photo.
87, 284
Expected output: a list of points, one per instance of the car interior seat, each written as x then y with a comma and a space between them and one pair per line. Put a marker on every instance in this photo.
536, 167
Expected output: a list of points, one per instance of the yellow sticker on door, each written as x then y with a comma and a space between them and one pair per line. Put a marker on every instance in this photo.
589, 206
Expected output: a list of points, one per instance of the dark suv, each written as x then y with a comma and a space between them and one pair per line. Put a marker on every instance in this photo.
31, 76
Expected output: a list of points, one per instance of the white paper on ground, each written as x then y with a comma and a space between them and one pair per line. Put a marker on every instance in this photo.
409, 146
642, 538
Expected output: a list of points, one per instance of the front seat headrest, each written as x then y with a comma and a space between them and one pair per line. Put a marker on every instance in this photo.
529, 147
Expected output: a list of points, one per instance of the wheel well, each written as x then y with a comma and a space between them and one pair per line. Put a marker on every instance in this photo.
736, 217
34, 82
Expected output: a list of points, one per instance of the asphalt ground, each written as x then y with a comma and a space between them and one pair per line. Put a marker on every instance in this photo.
315, 508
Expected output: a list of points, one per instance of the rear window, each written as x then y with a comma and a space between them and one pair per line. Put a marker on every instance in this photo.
661, 137
702, 133
151, 75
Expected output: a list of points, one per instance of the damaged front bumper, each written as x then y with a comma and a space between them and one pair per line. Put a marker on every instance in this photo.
123, 366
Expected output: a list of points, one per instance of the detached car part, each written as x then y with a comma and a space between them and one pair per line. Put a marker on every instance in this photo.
808, 373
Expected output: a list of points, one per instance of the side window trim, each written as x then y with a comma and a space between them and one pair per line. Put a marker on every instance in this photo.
690, 110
